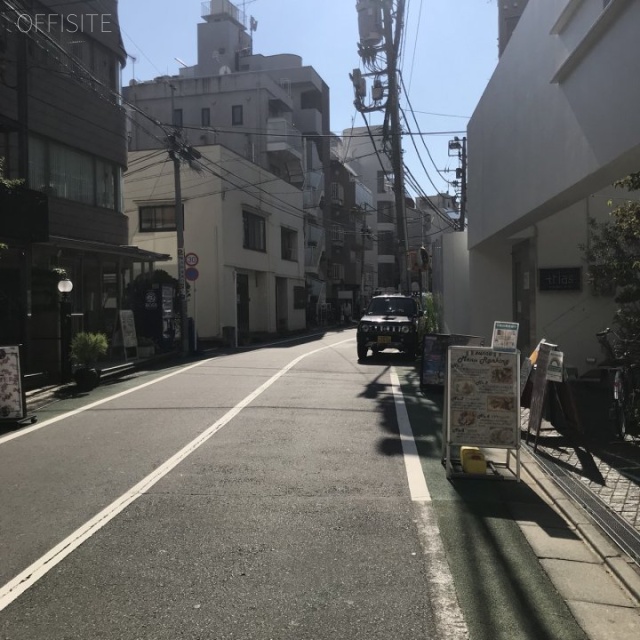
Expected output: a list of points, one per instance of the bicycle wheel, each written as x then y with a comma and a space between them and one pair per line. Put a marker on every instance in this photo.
621, 420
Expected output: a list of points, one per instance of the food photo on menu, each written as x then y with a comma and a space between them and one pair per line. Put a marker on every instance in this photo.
502, 375
500, 403
464, 418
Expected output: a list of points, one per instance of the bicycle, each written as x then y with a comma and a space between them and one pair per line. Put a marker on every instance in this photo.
623, 359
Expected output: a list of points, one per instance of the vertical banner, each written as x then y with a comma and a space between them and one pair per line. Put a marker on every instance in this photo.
11, 396
182, 283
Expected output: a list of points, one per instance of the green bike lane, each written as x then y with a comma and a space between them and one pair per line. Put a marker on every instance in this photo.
503, 590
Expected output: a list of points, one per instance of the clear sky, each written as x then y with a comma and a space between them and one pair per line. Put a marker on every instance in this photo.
449, 53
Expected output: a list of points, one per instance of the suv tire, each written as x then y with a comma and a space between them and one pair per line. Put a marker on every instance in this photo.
362, 352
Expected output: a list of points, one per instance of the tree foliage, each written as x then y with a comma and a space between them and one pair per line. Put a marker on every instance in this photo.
613, 257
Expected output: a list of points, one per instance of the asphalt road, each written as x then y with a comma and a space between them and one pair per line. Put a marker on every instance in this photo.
286, 493
250, 496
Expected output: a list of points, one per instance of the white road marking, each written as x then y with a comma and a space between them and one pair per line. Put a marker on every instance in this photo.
27, 578
415, 476
450, 623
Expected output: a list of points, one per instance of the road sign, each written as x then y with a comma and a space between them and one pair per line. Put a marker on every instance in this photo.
191, 259
192, 274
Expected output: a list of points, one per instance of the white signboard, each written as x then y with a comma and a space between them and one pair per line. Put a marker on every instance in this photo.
505, 336
483, 395
554, 366
128, 326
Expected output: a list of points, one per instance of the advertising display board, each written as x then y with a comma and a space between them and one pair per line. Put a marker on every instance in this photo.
12, 404
128, 326
482, 399
434, 355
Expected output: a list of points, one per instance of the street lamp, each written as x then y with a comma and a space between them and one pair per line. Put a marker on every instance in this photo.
65, 287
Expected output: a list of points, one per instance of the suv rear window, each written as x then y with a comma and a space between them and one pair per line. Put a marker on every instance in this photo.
398, 306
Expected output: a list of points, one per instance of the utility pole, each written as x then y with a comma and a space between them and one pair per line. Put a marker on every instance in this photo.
376, 29
393, 107
459, 147
174, 154
179, 152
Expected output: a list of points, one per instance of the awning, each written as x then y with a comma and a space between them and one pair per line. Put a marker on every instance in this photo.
132, 252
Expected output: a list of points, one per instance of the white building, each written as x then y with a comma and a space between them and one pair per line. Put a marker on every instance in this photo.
269, 110
365, 155
557, 124
248, 239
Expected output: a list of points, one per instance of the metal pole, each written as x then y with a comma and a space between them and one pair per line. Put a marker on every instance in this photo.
463, 185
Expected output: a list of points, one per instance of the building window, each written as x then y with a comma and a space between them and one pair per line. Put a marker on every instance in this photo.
106, 184
289, 244
386, 212
386, 243
236, 114
158, 218
337, 193
337, 233
205, 118
382, 182
336, 271
254, 232
64, 172
177, 118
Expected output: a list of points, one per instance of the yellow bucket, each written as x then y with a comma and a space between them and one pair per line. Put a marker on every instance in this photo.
473, 460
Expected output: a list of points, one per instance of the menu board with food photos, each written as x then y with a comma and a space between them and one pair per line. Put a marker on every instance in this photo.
483, 398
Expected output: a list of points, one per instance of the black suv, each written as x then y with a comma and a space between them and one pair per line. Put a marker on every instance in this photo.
391, 321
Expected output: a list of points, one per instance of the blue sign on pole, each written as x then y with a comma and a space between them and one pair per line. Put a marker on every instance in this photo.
192, 274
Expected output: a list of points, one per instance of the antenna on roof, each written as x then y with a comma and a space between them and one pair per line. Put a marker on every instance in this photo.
182, 62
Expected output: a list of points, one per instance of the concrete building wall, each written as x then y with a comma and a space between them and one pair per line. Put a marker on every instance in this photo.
547, 130
555, 127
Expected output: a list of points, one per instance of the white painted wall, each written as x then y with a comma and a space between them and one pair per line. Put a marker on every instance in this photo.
214, 231
557, 124
455, 271
537, 145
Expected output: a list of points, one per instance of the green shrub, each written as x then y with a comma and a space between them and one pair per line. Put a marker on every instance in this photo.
87, 348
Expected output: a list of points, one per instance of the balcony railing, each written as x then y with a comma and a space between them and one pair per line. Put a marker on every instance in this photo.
283, 137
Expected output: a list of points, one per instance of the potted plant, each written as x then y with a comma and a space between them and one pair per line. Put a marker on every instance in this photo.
146, 347
86, 349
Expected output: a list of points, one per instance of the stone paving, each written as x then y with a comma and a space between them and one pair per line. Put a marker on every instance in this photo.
617, 464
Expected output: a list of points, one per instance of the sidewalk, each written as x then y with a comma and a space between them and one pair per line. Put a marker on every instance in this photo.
602, 503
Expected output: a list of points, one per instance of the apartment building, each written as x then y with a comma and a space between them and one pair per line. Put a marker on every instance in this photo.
364, 153
273, 114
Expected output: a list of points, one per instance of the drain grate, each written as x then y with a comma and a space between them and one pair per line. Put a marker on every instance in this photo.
616, 527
